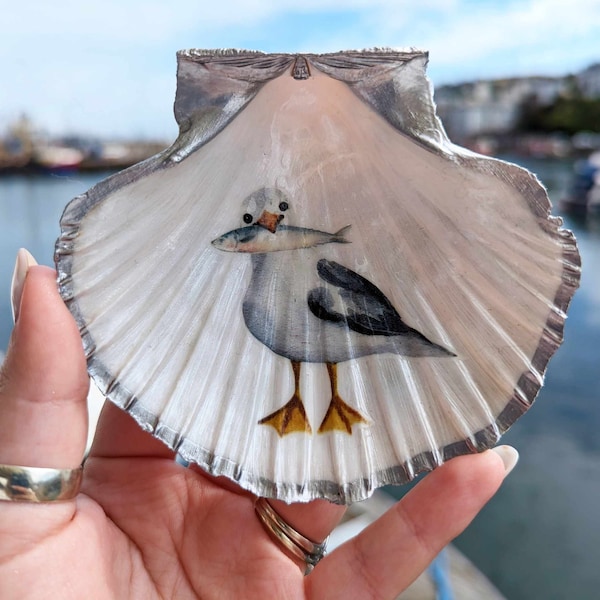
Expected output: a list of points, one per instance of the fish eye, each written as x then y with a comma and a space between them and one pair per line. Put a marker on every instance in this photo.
247, 218
283, 206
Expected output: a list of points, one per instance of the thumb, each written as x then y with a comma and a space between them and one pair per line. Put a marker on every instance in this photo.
43, 380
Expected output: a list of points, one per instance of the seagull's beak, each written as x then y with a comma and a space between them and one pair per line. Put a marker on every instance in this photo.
269, 221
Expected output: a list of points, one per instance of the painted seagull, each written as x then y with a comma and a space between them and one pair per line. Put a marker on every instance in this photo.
310, 309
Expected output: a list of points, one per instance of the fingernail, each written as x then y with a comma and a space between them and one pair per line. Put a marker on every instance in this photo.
509, 456
24, 261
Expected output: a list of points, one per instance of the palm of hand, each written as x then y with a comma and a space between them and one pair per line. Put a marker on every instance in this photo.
151, 528
171, 533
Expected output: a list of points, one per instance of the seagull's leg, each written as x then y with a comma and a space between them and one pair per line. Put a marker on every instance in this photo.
292, 416
339, 416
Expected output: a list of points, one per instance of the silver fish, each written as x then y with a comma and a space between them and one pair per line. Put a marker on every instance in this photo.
257, 239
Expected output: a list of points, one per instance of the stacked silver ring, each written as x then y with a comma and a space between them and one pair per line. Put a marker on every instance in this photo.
293, 541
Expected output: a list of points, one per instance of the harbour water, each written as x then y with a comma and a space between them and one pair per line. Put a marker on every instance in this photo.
539, 538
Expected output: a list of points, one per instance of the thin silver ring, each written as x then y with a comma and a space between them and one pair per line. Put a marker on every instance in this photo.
293, 541
38, 484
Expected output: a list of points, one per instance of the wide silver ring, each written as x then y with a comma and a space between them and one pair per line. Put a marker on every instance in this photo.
38, 484
299, 546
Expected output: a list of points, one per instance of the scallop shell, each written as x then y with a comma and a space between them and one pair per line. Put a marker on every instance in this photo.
314, 292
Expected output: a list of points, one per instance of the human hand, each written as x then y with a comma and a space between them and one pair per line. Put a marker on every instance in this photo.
145, 527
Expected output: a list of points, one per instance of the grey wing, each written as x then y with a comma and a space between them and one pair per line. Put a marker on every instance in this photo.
355, 302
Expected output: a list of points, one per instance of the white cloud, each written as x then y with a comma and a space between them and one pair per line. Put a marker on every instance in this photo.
110, 66
153, 20
494, 32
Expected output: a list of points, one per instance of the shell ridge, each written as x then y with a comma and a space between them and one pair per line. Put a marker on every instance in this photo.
347, 493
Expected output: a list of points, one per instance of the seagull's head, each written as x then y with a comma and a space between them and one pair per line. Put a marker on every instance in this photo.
265, 207
262, 213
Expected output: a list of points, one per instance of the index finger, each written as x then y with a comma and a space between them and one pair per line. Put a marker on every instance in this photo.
391, 553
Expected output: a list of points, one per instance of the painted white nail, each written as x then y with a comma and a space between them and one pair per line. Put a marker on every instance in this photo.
24, 261
509, 456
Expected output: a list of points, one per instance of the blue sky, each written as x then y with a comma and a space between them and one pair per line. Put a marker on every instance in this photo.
108, 68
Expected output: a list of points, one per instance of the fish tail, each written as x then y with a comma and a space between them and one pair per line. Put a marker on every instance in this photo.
338, 236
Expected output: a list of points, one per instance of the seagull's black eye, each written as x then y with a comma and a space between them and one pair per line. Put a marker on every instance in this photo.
283, 206
247, 218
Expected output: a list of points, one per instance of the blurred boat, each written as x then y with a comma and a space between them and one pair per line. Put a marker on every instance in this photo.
57, 158
27, 149
583, 196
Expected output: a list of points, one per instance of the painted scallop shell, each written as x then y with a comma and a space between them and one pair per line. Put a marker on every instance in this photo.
313, 292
